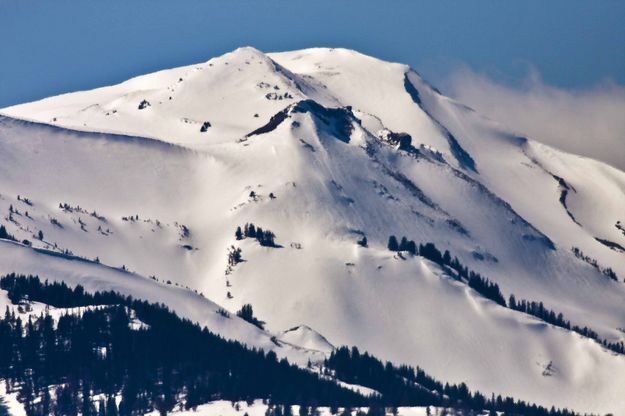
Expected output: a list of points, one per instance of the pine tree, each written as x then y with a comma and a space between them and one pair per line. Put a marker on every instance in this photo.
251, 231
4, 234
411, 247
403, 245
87, 408
111, 406
392, 243
101, 408
45, 401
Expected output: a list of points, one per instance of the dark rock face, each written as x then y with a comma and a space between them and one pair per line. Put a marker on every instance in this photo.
404, 140
338, 120
273, 123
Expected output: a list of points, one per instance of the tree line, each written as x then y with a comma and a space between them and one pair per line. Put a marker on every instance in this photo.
408, 386
491, 290
479, 283
539, 310
90, 357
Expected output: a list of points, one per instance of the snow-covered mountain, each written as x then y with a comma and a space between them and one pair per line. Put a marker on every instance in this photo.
324, 147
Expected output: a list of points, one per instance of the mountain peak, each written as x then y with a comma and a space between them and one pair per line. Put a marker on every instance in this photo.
352, 164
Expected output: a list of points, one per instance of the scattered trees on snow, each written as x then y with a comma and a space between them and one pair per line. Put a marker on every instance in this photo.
247, 313
606, 271
234, 256
266, 238
25, 200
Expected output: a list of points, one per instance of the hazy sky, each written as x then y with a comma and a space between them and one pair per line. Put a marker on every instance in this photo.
50, 47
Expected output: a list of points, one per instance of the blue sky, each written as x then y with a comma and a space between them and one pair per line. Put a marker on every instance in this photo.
59, 46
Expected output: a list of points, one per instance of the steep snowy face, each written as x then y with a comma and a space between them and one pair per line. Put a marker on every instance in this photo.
324, 149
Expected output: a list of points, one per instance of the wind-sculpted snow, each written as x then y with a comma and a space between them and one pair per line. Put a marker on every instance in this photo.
332, 152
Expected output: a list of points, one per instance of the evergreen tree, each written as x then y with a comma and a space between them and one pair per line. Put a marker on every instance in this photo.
393, 245
87, 408
101, 408
45, 401
4, 234
251, 231
111, 406
403, 245
411, 247
430, 252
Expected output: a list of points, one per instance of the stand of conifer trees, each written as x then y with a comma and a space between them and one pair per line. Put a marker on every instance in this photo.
408, 386
95, 354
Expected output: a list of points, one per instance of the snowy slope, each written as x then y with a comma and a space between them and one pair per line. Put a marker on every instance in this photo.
298, 143
97, 277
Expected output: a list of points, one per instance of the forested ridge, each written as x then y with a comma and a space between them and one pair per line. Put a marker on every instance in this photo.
79, 364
